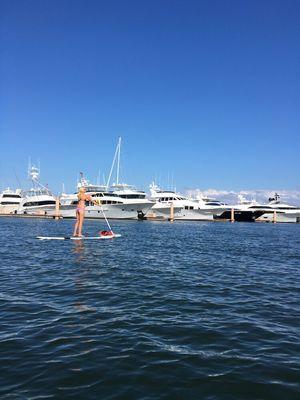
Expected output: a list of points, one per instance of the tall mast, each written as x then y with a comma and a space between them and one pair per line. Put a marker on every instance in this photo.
118, 160
116, 157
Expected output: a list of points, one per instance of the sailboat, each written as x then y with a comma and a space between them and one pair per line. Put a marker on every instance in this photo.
118, 201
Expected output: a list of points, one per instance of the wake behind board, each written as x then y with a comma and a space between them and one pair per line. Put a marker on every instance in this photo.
116, 235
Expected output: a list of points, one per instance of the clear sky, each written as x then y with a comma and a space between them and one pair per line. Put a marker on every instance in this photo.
205, 91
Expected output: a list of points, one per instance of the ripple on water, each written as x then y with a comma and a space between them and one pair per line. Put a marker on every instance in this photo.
169, 311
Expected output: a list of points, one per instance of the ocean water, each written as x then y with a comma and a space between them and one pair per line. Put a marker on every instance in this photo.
168, 311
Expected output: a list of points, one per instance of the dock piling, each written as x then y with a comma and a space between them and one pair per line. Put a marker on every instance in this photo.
172, 213
232, 215
57, 208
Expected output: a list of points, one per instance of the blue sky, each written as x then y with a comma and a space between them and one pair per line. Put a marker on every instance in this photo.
205, 91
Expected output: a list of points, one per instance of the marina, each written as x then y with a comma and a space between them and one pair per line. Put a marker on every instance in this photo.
123, 201
149, 200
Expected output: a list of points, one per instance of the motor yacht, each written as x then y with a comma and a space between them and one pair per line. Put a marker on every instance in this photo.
252, 211
114, 203
10, 201
38, 200
183, 208
277, 211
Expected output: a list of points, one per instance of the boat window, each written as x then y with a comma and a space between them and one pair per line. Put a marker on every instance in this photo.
97, 195
132, 196
13, 196
39, 203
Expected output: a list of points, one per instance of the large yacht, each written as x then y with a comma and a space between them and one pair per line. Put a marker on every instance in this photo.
273, 211
130, 195
10, 201
115, 203
183, 208
243, 211
276, 211
38, 200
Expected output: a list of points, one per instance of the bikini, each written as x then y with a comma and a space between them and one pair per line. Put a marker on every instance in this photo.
79, 208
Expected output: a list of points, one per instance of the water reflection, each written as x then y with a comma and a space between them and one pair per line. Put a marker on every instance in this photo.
79, 250
80, 279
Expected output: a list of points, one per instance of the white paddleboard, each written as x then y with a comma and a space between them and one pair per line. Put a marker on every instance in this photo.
116, 235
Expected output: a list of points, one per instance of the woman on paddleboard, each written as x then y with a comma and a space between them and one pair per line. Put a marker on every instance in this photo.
80, 210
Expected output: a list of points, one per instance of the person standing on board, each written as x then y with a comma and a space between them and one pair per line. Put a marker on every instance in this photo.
80, 210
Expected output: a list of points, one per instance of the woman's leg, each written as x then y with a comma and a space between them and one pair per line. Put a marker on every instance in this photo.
76, 223
81, 218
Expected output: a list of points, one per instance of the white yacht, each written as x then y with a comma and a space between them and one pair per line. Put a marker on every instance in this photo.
276, 211
131, 196
116, 204
38, 200
273, 211
10, 201
242, 210
184, 208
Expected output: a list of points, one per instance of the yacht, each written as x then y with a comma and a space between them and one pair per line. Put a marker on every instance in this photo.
273, 211
10, 201
184, 208
276, 211
115, 203
130, 195
244, 210
38, 200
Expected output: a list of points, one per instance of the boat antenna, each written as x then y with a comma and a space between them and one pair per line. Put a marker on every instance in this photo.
17, 178
29, 167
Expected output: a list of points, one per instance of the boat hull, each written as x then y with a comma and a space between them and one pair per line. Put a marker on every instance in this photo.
111, 211
161, 211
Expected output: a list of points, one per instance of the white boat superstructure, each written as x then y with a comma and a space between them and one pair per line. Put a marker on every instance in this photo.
90, 188
115, 203
38, 200
133, 197
10, 201
184, 208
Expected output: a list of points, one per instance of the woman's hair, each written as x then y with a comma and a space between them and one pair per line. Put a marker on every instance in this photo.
81, 190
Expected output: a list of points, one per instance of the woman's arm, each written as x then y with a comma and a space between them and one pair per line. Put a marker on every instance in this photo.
89, 198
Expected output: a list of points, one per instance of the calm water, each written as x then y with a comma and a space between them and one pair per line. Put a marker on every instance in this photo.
168, 311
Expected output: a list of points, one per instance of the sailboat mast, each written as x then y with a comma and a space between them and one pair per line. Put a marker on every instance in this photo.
118, 159
112, 166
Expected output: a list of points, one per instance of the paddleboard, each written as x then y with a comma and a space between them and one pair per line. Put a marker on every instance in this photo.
116, 235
